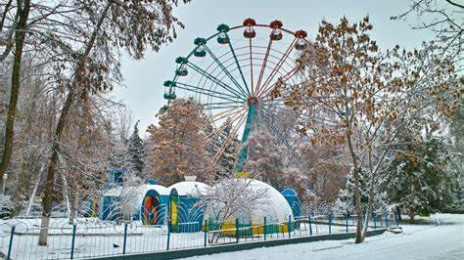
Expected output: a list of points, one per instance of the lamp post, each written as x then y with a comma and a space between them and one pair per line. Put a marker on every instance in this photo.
5, 177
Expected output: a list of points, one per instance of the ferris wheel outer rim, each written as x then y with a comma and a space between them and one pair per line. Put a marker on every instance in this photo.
283, 29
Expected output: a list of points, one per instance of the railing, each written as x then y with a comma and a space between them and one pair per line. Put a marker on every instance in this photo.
94, 238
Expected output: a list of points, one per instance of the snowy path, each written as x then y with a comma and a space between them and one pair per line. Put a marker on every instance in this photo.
417, 242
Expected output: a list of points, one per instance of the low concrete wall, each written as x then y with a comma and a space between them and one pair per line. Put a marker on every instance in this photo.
176, 254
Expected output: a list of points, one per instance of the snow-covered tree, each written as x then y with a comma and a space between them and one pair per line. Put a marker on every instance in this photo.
327, 169
264, 157
421, 181
229, 199
178, 143
226, 162
345, 202
354, 92
134, 160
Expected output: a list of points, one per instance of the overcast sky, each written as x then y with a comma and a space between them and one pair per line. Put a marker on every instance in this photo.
143, 91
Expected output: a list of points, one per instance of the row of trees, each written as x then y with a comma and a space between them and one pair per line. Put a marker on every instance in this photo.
66, 53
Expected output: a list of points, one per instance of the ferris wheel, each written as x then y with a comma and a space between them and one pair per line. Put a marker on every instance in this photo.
232, 73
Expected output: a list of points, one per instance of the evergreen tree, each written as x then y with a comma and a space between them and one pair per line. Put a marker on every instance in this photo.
346, 200
420, 179
227, 159
134, 159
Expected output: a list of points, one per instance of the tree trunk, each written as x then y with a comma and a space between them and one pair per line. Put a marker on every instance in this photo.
20, 37
412, 214
357, 193
73, 91
44, 226
47, 199
74, 207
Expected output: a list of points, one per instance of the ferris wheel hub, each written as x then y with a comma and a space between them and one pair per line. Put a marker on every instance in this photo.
252, 100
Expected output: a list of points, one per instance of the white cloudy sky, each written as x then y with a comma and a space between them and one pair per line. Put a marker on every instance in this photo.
143, 89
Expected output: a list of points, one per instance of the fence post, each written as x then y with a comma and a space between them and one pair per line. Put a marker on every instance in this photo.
169, 234
374, 218
237, 223
73, 241
265, 228
310, 227
289, 226
11, 242
346, 222
386, 219
206, 233
330, 223
125, 239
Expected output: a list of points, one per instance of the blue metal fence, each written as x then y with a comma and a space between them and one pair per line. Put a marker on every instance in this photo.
94, 238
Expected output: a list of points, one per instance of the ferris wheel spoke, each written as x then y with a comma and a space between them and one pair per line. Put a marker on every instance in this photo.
223, 114
238, 64
208, 92
265, 91
278, 66
225, 70
231, 119
289, 142
263, 66
221, 105
216, 80
227, 115
250, 44
229, 137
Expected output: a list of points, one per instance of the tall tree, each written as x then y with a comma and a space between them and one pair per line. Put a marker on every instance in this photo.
356, 95
227, 159
18, 38
421, 179
132, 26
134, 161
178, 143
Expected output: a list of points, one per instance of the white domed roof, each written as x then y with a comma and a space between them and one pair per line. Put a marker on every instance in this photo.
134, 195
193, 188
271, 202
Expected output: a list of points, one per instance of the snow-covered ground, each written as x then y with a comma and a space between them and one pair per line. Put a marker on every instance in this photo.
96, 238
443, 240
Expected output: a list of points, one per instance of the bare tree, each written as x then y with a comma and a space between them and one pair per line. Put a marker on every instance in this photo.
230, 198
444, 19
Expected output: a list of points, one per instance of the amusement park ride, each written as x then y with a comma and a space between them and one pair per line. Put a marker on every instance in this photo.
232, 73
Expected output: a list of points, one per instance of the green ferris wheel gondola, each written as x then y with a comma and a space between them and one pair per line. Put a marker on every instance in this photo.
199, 51
232, 73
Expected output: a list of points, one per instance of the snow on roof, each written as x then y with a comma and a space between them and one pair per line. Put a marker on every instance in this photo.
116, 191
185, 188
271, 202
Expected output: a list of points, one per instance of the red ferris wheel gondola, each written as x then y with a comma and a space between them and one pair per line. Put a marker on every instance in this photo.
276, 33
249, 30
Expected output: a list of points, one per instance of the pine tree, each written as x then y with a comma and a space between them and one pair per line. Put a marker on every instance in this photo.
227, 159
420, 180
134, 159
346, 200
